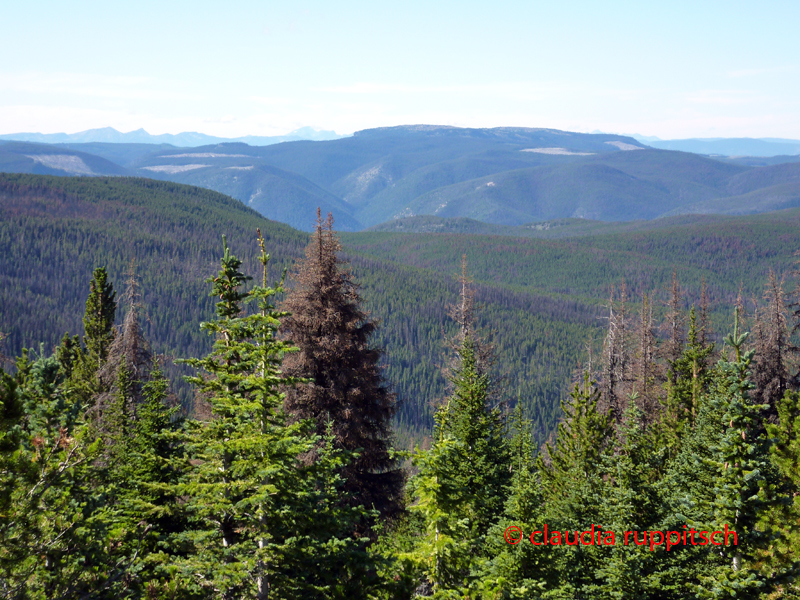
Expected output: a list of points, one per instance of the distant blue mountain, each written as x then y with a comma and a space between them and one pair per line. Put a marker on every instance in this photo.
185, 140
731, 146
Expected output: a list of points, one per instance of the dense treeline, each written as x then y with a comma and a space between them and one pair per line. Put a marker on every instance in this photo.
544, 300
673, 474
541, 340
726, 254
56, 230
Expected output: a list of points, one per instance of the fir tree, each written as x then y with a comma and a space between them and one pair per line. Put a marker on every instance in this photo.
464, 478
54, 537
582, 437
264, 524
630, 502
572, 483
122, 376
689, 378
83, 363
746, 484
785, 451
344, 384
521, 569
99, 318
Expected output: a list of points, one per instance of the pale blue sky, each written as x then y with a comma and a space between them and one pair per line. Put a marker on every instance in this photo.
672, 69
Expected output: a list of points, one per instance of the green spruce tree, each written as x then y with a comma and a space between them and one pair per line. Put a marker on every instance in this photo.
263, 524
746, 484
463, 480
572, 485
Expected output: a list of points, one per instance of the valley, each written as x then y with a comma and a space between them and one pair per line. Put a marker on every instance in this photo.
543, 289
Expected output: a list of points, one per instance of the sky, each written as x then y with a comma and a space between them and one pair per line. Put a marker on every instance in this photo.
668, 69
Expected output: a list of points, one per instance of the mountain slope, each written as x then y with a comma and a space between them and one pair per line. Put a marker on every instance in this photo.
773, 198
237, 171
56, 230
502, 176
43, 159
621, 186
402, 150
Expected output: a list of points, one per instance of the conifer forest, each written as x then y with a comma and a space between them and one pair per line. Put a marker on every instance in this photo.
650, 450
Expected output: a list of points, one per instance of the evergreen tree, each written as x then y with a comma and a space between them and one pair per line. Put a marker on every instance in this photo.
746, 483
83, 363
146, 466
464, 478
583, 435
522, 569
122, 376
264, 525
572, 482
689, 378
630, 502
54, 535
785, 518
344, 384
98, 321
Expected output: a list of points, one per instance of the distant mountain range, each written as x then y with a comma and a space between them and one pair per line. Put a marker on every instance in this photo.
184, 140
503, 176
728, 146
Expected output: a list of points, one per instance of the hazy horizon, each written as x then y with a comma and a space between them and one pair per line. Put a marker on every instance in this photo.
716, 70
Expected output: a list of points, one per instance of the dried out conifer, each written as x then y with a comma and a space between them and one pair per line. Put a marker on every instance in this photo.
345, 388
125, 370
770, 371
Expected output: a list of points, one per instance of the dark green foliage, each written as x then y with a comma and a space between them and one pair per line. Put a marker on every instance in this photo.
64, 227
688, 380
631, 501
262, 523
106, 493
746, 482
54, 537
786, 433
101, 308
582, 437
572, 485
59, 229
786, 456
463, 480
523, 569
83, 361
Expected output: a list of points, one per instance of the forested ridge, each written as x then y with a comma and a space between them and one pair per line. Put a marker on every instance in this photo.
505, 176
57, 230
544, 299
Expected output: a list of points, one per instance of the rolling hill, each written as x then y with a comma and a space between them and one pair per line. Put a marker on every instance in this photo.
44, 159
56, 230
502, 176
274, 193
542, 298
